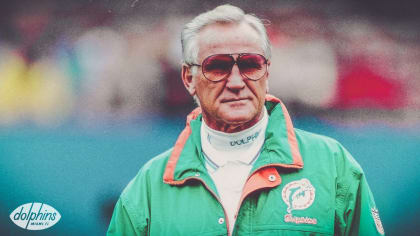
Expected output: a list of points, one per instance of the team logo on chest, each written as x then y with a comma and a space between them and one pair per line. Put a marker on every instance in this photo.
298, 195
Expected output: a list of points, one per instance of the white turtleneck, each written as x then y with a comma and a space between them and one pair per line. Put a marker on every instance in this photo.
229, 159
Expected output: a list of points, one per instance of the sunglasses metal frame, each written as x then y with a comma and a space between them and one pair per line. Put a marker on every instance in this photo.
234, 62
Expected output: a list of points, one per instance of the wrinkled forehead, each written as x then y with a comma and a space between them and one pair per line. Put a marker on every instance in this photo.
228, 38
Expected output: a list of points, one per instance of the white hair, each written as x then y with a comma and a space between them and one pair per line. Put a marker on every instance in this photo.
221, 14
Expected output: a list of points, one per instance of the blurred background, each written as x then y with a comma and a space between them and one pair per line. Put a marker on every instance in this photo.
90, 90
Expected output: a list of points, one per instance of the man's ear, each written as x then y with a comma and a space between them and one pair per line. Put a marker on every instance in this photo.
187, 79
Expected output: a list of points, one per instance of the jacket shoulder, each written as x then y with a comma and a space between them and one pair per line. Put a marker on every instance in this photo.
313, 140
131, 212
151, 171
327, 147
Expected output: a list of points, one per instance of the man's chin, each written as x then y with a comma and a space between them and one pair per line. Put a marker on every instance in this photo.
236, 118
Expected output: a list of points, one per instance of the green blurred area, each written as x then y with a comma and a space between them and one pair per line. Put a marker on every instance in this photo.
82, 171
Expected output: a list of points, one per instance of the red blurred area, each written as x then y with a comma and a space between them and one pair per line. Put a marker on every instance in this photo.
359, 86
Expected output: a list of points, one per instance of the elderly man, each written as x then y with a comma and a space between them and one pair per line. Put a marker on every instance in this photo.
239, 167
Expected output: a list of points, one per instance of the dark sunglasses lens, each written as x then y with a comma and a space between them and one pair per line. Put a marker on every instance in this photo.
252, 66
217, 67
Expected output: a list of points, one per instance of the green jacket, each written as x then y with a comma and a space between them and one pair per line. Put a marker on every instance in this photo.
301, 184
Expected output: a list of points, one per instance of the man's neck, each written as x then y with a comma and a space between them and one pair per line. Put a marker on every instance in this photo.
231, 127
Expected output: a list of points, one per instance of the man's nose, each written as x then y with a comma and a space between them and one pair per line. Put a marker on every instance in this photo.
235, 79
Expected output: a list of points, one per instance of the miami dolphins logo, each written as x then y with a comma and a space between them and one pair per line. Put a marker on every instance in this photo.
298, 195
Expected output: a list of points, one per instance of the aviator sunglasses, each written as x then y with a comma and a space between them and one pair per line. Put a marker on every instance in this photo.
218, 67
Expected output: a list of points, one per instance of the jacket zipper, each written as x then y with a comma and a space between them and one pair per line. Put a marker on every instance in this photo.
241, 200
214, 195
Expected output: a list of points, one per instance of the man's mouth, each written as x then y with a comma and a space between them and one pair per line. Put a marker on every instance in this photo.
233, 100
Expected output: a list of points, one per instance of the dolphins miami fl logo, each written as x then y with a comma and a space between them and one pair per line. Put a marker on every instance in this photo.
35, 216
298, 195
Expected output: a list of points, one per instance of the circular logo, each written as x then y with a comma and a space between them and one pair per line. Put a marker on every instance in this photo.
298, 195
